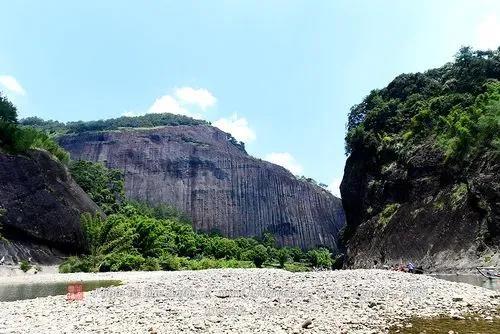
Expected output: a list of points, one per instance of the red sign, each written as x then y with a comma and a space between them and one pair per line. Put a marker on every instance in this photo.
75, 291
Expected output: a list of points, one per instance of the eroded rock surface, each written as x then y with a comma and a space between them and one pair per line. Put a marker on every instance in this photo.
202, 172
419, 208
41, 208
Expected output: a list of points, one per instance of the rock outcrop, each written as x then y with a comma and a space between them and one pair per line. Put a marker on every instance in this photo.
422, 182
421, 210
40, 208
202, 171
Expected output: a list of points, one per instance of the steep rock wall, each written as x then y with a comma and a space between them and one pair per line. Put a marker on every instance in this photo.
202, 172
418, 208
41, 207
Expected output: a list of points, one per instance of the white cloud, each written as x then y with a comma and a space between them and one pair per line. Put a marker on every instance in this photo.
200, 97
167, 104
488, 33
286, 160
179, 101
238, 127
334, 186
10, 83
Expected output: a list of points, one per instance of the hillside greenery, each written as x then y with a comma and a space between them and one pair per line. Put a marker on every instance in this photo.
15, 138
57, 128
456, 107
134, 239
138, 236
146, 121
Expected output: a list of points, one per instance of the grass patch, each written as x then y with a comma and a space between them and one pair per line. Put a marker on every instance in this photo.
296, 267
387, 214
439, 204
472, 324
458, 194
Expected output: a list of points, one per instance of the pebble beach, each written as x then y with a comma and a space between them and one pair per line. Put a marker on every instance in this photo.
244, 301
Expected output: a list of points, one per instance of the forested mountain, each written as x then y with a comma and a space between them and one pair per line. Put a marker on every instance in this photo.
201, 171
40, 203
422, 180
178, 186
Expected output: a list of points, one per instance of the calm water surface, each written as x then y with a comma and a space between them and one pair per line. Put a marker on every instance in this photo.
12, 292
478, 280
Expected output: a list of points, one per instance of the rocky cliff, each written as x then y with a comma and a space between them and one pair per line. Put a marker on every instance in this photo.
421, 210
422, 181
40, 208
205, 173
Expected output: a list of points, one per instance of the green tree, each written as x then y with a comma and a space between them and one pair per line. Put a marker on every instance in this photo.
8, 112
296, 253
105, 186
259, 255
283, 256
320, 258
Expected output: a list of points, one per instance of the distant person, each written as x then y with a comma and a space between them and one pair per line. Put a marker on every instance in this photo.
410, 267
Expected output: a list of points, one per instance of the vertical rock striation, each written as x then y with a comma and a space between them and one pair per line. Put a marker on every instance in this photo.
40, 208
202, 172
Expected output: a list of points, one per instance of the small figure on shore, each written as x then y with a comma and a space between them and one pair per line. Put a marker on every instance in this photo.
2, 260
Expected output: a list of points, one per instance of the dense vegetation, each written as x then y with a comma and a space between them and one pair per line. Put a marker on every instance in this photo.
136, 236
103, 185
15, 138
456, 107
146, 121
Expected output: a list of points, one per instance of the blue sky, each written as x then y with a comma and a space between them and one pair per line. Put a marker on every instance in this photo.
281, 75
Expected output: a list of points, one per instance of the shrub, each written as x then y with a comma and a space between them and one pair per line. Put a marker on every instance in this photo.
259, 255
386, 214
283, 256
211, 263
296, 253
151, 264
169, 262
320, 258
459, 192
25, 266
296, 267
220, 247
76, 264
121, 262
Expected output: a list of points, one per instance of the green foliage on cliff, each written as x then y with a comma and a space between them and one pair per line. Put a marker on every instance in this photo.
18, 139
386, 214
457, 106
146, 121
103, 185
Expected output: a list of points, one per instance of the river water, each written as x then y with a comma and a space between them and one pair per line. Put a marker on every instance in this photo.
12, 292
477, 280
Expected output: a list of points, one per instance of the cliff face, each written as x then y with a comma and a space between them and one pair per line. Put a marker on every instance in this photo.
41, 208
444, 219
422, 182
199, 170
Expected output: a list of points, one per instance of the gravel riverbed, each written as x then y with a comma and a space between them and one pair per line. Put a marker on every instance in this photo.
244, 301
